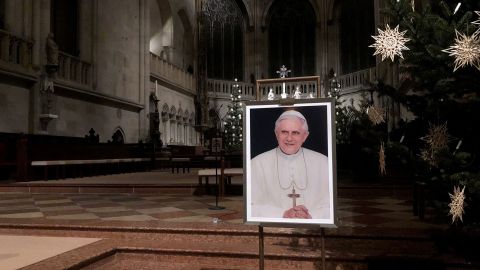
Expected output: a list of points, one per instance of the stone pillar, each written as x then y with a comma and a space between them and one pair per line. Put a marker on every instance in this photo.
144, 66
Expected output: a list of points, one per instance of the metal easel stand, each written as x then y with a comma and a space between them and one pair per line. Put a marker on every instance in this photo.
261, 248
216, 206
261, 252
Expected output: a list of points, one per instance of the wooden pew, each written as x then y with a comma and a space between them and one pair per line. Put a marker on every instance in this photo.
60, 157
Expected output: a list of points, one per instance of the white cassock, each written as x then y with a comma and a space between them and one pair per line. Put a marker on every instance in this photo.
274, 174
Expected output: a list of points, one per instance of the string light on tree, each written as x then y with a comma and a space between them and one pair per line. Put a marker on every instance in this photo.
233, 124
341, 118
390, 42
466, 50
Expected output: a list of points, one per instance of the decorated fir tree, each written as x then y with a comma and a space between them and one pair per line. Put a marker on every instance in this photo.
440, 78
233, 125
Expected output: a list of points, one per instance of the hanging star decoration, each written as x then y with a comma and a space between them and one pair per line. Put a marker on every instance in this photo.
437, 139
457, 204
466, 50
381, 160
375, 114
477, 22
390, 42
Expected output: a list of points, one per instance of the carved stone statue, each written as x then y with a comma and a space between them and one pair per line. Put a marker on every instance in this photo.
52, 51
297, 94
271, 95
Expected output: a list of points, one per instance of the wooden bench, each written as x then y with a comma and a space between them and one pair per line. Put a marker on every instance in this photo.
180, 162
224, 174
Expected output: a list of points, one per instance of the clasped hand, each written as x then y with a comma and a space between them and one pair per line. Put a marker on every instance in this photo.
299, 211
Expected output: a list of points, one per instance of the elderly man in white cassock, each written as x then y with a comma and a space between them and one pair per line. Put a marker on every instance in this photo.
290, 181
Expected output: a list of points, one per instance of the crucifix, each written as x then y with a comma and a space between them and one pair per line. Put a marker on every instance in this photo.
294, 197
283, 72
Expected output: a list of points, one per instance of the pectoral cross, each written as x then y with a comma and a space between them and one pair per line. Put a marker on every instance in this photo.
294, 197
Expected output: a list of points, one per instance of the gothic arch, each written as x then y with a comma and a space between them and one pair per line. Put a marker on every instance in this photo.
192, 118
161, 27
173, 111
180, 114
188, 38
165, 108
165, 10
243, 5
332, 6
267, 13
165, 111
118, 135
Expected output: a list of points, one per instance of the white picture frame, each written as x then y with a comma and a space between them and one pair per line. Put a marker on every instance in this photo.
263, 183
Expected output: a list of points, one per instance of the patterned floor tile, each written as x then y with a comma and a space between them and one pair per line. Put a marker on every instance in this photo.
170, 215
107, 209
208, 211
366, 210
47, 205
190, 219
116, 214
55, 202
63, 212
81, 216
367, 219
13, 211
131, 218
32, 214
13, 201
159, 210
97, 204
17, 206
57, 208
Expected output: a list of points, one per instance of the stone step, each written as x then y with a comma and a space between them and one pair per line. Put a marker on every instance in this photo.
226, 246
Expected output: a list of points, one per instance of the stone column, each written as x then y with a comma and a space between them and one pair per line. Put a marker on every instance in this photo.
144, 66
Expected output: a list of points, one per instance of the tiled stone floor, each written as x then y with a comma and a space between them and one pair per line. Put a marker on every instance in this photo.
360, 210
372, 210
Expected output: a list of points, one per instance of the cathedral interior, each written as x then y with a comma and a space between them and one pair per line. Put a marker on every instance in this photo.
118, 104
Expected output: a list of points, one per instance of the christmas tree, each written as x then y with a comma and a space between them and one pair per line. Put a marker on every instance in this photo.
344, 114
440, 78
233, 125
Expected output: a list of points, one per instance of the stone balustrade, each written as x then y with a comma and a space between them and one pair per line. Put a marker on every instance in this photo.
71, 68
356, 81
223, 88
15, 50
172, 74
307, 89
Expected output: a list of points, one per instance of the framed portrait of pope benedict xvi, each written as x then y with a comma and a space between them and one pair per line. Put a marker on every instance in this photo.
290, 164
